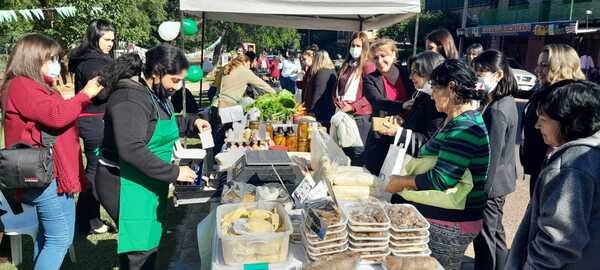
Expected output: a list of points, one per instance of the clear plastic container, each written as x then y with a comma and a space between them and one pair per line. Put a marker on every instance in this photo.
330, 231
242, 249
350, 208
369, 249
366, 244
412, 254
325, 248
412, 209
408, 249
407, 243
368, 228
409, 235
342, 234
385, 237
315, 256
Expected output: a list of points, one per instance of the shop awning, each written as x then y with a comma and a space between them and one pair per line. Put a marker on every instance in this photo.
521, 29
340, 15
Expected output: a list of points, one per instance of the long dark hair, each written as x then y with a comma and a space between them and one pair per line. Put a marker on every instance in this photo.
364, 56
445, 43
96, 29
126, 66
161, 60
494, 61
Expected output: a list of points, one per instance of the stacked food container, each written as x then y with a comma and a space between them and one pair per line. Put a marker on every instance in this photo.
409, 233
368, 228
335, 239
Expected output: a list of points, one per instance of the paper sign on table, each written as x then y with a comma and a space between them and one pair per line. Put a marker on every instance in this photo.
231, 114
206, 139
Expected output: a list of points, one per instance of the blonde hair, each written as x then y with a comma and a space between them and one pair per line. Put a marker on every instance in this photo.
235, 63
563, 63
384, 44
321, 61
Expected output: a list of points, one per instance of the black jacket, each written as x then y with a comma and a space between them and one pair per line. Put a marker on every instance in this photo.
501, 120
561, 227
374, 90
129, 123
424, 120
87, 64
533, 149
322, 107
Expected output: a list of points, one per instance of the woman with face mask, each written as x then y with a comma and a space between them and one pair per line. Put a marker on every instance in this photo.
501, 118
86, 62
349, 96
31, 106
387, 93
135, 168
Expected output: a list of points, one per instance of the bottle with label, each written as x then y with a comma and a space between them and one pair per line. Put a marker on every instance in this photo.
292, 140
280, 137
303, 130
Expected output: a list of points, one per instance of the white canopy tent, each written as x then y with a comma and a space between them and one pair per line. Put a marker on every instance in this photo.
337, 15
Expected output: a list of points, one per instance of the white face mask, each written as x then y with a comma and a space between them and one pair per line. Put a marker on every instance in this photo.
179, 85
53, 69
487, 83
355, 52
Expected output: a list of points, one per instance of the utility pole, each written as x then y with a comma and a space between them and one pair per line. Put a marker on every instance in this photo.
416, 35
464, 24
571, 12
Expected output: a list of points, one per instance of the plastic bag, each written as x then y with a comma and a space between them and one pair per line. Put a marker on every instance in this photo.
452, 198
344, 130
354, 178
321, 145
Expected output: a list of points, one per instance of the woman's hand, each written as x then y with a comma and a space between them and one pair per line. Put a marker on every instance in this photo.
345, 107
186, 174
92, 88
408, 105
202, 125
392, 123
399, 183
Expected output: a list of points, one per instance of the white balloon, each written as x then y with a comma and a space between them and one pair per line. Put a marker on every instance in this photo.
169, 30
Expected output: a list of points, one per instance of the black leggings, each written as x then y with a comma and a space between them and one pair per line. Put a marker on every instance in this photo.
108, 187
91, 130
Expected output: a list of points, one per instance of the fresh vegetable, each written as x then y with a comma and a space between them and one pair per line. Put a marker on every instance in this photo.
275, 106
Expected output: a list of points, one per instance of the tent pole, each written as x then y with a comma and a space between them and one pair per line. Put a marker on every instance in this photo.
202, 53
183, 91
416, 35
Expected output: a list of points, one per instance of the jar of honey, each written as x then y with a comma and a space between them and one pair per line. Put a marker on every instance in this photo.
279, 138
292, 140
303, 145
303, 129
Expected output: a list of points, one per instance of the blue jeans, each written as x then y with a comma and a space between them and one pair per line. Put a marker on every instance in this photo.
288, 84
56, 217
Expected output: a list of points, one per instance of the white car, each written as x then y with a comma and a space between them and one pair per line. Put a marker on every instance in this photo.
525, 79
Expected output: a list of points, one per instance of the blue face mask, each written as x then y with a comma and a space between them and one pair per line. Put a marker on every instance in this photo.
53, 69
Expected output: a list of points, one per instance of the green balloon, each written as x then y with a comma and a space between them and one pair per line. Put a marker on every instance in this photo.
195, 74
190, 27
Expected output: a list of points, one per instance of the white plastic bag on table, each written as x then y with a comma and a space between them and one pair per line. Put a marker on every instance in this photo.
321, 145
344, 130
395, 158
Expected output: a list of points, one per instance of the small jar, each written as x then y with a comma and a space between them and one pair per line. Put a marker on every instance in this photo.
303, 145
254, 125
292, 141
280, 137
303, 129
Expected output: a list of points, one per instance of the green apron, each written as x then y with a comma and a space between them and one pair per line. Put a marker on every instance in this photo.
142, 198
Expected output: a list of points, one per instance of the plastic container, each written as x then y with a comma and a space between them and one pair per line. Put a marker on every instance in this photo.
325, 247
330, 231
315, 256
269, 248
385, 237
408, 249
351, 207
407, 243
371, 249
412, 254
313, 242
409, 235
368, 244
368, 228
396, 229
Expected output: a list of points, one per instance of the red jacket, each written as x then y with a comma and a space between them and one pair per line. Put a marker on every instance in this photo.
274, 68
30, 106
361, 106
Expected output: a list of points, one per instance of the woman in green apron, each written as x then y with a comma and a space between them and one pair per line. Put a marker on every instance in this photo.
135, 168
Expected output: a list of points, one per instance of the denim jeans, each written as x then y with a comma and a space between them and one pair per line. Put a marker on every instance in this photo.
56, 217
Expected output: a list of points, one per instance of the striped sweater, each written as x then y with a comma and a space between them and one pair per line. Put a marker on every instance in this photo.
462, 144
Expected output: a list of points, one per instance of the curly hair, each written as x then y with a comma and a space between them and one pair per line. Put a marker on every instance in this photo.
464, 78
576, 106
563, 63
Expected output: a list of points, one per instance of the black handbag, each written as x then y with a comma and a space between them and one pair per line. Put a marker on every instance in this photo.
23, 166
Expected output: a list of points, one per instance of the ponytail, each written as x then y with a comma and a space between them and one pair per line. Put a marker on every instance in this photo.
236, 62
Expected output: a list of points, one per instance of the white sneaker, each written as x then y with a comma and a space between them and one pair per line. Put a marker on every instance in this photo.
97, 226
